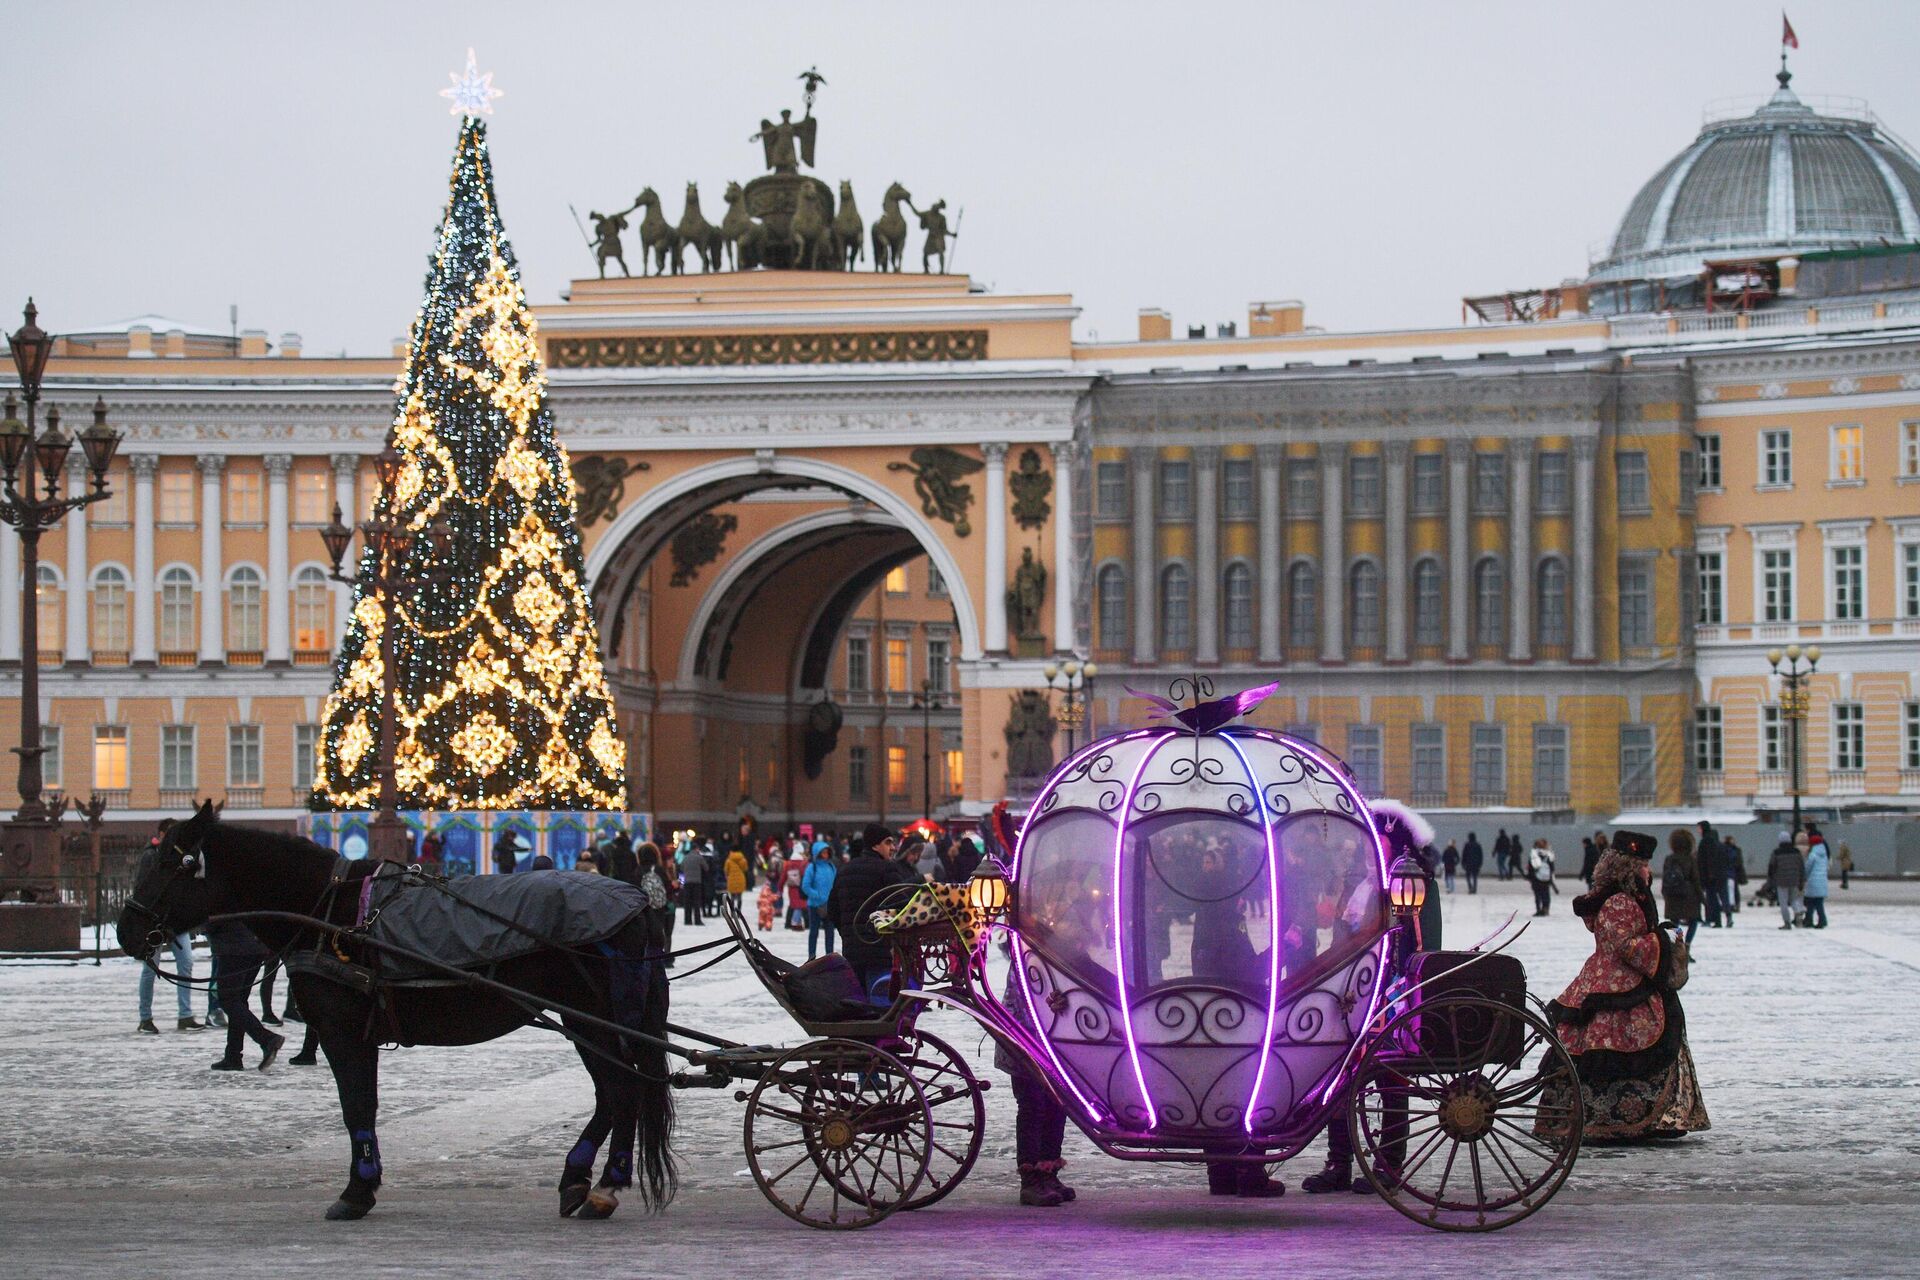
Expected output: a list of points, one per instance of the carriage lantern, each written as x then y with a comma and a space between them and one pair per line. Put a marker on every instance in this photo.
1406, 886
987, 891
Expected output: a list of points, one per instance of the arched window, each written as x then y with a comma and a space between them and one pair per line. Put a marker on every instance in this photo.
1363, 605
1176, 608
312, 616
50, 604
1489, 603
243, 611
1238, 594
109, 610
176, 610
1303, 606
1113, 607
1550, 610
1429, 604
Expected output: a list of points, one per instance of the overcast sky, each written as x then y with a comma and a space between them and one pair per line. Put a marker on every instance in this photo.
1376, 160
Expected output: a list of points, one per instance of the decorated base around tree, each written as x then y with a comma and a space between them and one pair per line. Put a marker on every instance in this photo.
468, 836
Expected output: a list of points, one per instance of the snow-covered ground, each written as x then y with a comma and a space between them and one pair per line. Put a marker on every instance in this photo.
122, 1155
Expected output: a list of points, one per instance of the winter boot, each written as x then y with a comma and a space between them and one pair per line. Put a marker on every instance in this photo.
229, 1064
1049, 1171
1034, 1190
1256, 1185
146, 1027
191, 1024
1336, 1176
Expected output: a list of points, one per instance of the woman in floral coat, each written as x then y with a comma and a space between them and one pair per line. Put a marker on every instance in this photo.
1621, 1018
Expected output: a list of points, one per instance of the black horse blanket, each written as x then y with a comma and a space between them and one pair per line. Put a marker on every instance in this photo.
477, 921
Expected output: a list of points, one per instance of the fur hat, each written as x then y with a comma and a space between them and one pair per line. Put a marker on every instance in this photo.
1635, 844
1401, 825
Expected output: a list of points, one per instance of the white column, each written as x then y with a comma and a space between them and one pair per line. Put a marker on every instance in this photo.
143, 466
79, 637
213, 615
1333, 553
1146, 558
10, 601
996, 523
1397, 454
1520, 552
1584, 449
1272, 458
1063, 585
1206, 554
346, 472
1459, 572
279, 644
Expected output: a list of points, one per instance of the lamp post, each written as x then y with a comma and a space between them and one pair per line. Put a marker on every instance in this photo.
1075, 679
388, 541
926, 702
31, 464
1794, 682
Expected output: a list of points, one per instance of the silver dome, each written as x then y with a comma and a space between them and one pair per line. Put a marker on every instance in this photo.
1784, 179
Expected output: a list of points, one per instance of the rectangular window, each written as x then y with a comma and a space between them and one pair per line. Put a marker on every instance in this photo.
1707, 740
896, 773
175, 498
859, 779
897, 580
1776, 458
312, 497
1630, 479
1910, 580
1636, 764
899, 676
1636, 602
1176, 490
1364, 758
1849, 737
1489, 763
1910, 450
1363, 485
244, 498
1429, 482
1110, 490
1303, 487
859, 670
112, 509
1237, 488
306, 741
110, 758
1489, 482
1712, 576
1550, 763
1776, 585
177, 772
1551, 469
1847, 574
1773, 740
1430, 763
938, 664
1910, 736
936, 585
243, 755
1304, 732
1707, 462
956, 771
52, 758
1846, 460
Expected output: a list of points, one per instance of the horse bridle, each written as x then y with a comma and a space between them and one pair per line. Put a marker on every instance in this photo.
193, 864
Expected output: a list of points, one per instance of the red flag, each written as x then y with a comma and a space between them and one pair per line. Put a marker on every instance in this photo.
1788, 40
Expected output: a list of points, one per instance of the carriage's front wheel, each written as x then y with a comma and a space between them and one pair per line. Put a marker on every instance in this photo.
1467, 1113
957, 1108
838, 1134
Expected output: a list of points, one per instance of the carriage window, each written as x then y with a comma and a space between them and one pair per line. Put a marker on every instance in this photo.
1330, 897
1066, 892
1194, 903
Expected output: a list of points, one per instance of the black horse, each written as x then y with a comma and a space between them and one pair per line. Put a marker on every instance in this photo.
203, 867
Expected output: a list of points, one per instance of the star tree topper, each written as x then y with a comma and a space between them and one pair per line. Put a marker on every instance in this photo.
472, 93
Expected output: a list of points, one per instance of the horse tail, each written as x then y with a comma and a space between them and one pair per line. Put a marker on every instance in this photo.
657, 1175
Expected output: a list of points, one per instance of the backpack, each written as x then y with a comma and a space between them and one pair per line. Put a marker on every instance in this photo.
1672, 879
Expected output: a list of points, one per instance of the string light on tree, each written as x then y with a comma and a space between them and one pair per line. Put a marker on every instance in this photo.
500, 698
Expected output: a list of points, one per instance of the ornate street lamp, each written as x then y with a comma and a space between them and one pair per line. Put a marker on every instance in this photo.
30, 502
1795, 680
1075, 679
926, 702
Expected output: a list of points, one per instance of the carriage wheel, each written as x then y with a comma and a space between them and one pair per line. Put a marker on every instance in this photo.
958, 1110
838, 1134
1467, 1113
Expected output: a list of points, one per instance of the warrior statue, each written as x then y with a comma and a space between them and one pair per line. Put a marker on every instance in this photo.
934, 222
1026, 595
607, 229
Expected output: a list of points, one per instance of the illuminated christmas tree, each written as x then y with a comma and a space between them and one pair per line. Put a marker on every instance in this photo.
502, 700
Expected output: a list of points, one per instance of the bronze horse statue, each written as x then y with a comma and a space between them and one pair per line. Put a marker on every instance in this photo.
739, 233
890, 230
694, 230
849, 232
658, 240
813, 247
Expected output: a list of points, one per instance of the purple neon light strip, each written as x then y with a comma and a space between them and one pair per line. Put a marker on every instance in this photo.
1273, 948
1060, 1071
1120, 924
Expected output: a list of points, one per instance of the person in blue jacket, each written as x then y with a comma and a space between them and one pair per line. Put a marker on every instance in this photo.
816, 886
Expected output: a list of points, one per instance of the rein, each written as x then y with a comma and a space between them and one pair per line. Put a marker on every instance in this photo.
158, 937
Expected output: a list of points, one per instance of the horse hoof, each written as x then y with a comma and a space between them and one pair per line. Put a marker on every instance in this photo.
571, 1198
600, 1203
346, 1211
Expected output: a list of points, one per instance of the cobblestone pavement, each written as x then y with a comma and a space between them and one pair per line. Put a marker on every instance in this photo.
122, 1155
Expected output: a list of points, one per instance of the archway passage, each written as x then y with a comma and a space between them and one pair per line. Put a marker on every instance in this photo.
784, 650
